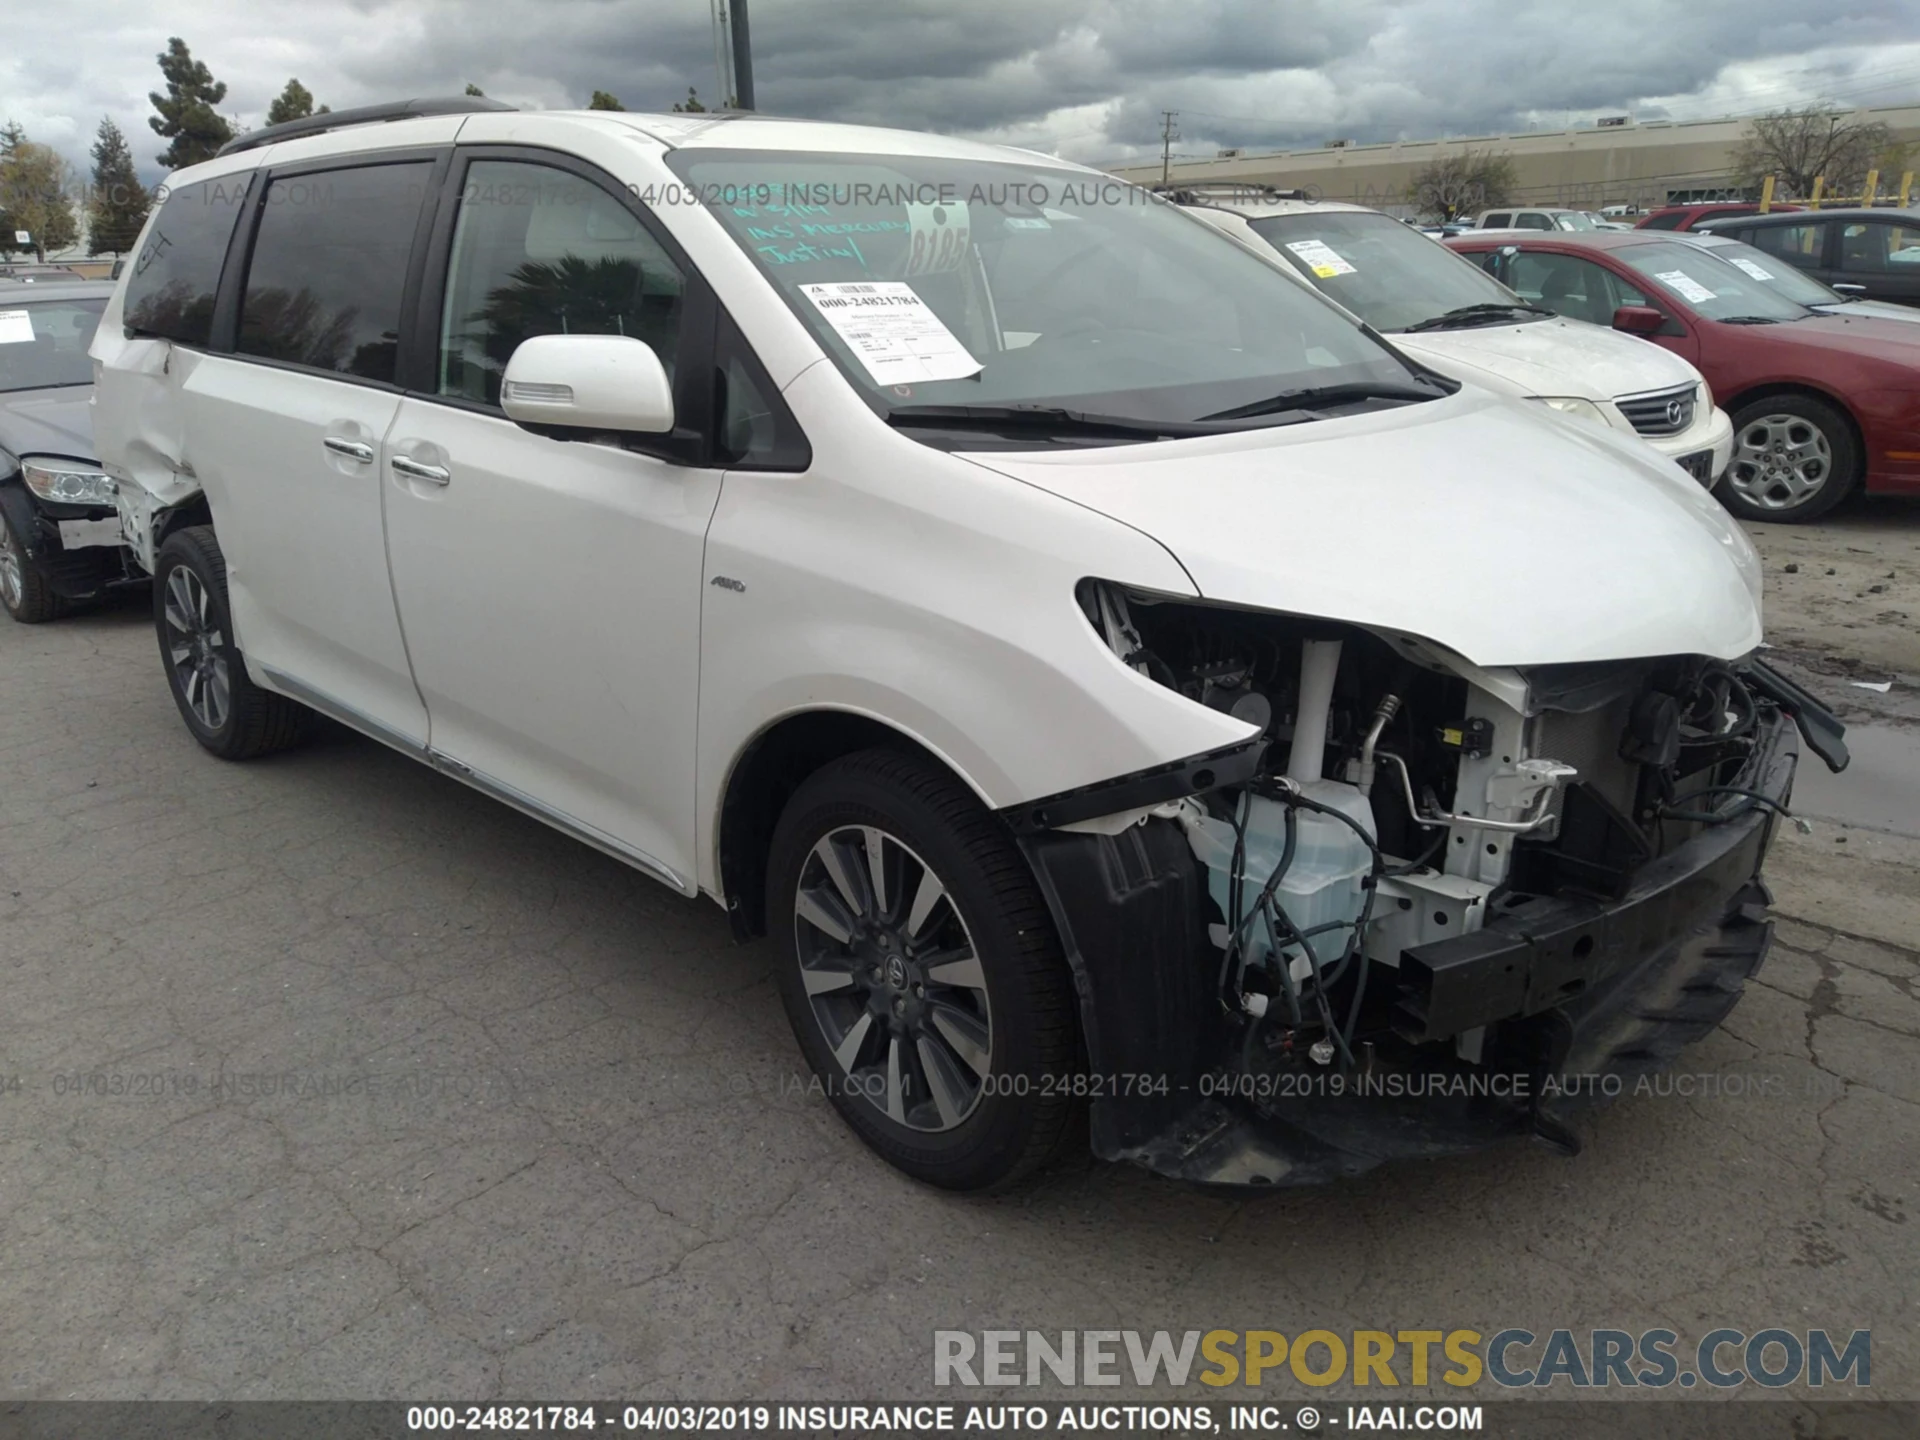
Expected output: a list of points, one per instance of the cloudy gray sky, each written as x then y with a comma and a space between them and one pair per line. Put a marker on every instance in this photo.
1084, 78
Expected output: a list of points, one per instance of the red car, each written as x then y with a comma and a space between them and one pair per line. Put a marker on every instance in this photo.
1685, 217
1821, 404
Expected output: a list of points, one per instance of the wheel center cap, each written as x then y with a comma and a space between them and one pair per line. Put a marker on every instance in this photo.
896, 972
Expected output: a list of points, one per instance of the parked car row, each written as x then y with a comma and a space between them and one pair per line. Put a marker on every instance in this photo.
1123, 668
1824, 401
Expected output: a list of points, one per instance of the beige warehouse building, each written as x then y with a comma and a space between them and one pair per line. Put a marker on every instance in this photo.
1657, 162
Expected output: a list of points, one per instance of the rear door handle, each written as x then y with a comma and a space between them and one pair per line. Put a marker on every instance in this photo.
414, 470
350, 449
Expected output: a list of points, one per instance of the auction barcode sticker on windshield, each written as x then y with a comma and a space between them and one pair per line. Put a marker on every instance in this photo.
1752, 267
16, 327
1320, 257
1684, 285
893, 331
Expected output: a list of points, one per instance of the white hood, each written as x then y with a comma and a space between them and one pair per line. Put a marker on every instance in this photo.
1554, 357
1490, 526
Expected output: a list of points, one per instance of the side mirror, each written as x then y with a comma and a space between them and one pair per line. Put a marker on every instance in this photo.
588, 382
1639, 320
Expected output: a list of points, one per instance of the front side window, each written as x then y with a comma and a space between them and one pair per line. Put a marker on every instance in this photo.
1499, 220
1801, 245
177, 272
542, 251
962, 284
1387, 273
1664, 222
1708, 285
1571, 286
329, 268
44, 344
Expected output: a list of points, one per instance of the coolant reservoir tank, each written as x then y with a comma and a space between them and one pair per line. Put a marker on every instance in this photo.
1321, 885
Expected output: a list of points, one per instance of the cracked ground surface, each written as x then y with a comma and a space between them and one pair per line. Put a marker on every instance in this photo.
499, 1118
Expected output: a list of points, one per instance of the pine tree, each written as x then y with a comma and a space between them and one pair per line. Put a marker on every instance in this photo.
187, 115
692, 106
603, 101
118, 205
295, 103
473, 89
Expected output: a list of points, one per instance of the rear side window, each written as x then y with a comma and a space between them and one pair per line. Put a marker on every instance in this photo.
329, 267
177, 272
1801, 245
1497, 222
1669, 221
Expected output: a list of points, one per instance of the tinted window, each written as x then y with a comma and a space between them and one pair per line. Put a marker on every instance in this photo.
177, 271
539, 251
1800, 244
1663, 222
1532, 220
45, 344
1875, 246
1498, 221
329, 265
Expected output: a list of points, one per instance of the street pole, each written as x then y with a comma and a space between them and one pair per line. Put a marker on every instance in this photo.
742, 58
1167, 137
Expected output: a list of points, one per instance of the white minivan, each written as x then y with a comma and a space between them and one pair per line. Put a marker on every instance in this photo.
1450, 313
1119, 683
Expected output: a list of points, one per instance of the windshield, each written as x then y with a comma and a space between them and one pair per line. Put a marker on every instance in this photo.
1709, 285
935, 282
1574, 220
44, 344
1388, 274
1775, 274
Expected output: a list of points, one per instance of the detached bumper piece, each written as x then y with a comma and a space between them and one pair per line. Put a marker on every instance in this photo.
1566, 1000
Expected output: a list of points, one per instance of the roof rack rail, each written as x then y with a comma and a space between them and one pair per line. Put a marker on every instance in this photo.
363, 115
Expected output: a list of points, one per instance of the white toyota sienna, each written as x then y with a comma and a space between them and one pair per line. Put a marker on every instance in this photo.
1119, 683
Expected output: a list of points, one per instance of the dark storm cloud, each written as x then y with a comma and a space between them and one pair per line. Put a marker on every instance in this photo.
1087, 77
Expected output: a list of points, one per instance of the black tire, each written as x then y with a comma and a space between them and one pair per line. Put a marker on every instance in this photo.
1766, 479
190, 575
24, 591
1020, 1112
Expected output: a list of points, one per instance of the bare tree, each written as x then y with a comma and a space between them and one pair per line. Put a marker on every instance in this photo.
1797, 147
1463, 184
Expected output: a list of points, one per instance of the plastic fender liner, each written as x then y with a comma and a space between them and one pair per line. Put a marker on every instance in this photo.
1196, 774
1818, 725
1130, 909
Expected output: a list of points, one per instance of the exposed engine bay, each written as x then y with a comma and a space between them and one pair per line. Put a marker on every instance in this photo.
1428, 867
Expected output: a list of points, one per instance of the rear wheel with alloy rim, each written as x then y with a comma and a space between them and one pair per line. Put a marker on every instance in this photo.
226, 711
1794, 459
922, 973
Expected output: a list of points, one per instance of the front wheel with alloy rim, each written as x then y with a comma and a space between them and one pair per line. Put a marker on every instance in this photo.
226, 711
23, 589
1794, 459
922, 973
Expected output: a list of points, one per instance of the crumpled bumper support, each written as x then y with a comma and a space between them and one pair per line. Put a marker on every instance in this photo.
1578, 999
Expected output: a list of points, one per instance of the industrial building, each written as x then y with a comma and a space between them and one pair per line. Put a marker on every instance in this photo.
1617, 162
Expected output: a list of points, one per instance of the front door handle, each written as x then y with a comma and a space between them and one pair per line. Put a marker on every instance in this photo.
414, 470
349, 449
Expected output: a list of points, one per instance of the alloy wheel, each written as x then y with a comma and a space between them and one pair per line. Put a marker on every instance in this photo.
196, 648
1780, 461
13, 579
892, 978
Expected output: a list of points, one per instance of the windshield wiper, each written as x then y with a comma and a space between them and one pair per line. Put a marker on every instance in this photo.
1051, 418
1748, 320
1467, 314
1322, 397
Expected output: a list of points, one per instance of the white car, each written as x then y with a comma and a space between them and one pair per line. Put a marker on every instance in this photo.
1452, 315
1109, 673
1537, 217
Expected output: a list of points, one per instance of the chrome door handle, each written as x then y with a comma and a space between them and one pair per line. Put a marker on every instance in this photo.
350, 449
414, 470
